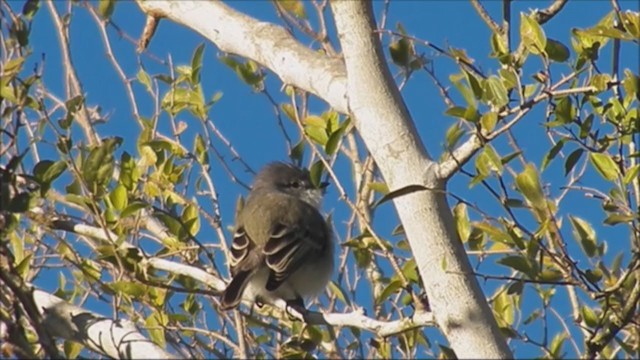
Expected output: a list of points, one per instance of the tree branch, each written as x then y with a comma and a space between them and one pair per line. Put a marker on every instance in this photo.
486, 17
355, 318
463, 153
542, 16
383, 121
265, 43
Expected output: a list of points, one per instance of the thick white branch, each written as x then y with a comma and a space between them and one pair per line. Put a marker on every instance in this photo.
263, 42
386, 127
118, 339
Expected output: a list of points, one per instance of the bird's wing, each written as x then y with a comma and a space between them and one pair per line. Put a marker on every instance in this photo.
291, 244
243, 256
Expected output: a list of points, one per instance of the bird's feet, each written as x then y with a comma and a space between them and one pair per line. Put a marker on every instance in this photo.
296, 306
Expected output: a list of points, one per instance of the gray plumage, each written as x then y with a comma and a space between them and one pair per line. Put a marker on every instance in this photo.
282, 247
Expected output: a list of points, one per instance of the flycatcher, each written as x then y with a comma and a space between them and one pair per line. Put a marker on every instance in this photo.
282, 246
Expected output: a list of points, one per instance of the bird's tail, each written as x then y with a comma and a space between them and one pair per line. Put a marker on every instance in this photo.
233, 293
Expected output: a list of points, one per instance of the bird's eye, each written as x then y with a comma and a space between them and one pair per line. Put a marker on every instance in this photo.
296, 184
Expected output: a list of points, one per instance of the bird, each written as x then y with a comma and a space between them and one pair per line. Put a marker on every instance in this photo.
282, 246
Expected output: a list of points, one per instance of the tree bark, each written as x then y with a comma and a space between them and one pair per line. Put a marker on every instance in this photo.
368, 92
383, 121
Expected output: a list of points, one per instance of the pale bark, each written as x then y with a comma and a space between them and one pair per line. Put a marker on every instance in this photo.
118, 339
386, 127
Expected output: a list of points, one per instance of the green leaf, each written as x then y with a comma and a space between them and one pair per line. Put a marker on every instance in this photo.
494, 233
528, 183
119, 197
401, 52
400, 192
503, 308
571, 161
317, 134
316, 172
600, 82
456, 111
557, 51
494, 92
132, 289
379, 187
565, 112
389, 290
532, 35
614, 219
23, 267
145, 80
464, 90
334, 140
155, 325
498, 45
463, 225
632, 174
295, 7
519, 263
297, 152
488, 121
191, 219
200, 150
196, 64
552, 154
72, 349
556, 345
132, 208
30, 8
585, 234
605, 165
313, 120
339, 293
589, 316
106, 7
46, 171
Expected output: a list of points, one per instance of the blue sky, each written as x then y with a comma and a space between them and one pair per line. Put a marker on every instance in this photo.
248, 121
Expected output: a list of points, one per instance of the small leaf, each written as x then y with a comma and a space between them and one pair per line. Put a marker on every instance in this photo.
196, 64
585, 234
317, 134
132, 208
145, 80
557, 51
605, 165
495, 92
295, 7
339, 292
552, 154
334, 140
488, 121
30, 9
632, 174
532, 35
118, 197
571, 161
589, 316
106, 7
518, 263
400, 192
461, 217
528, 184
132, 289
316, 173
314, 120
391, 288
379, 187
